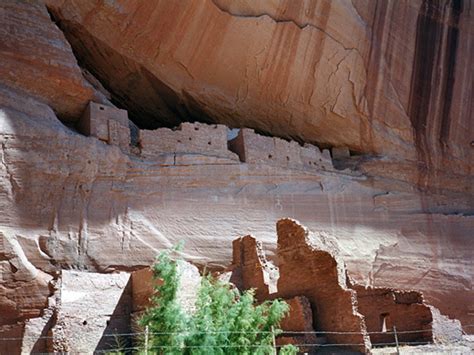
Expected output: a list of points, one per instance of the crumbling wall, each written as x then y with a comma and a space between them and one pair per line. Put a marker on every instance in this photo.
190, 138
313, 280
251, 269
257, 149
309, 272
384, 308
315, 274
109, 124
445, 330
297, 325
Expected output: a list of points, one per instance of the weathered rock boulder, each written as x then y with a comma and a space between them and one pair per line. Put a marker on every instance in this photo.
92, 311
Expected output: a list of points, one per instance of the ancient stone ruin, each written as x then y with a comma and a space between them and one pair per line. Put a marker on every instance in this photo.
109, 124
199, 143
257, 149
127, 126
325, 306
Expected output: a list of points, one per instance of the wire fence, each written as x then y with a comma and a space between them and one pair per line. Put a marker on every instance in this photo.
225, 346
277, 333
154, 348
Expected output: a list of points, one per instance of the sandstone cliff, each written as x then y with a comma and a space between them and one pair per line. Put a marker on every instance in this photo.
390, 81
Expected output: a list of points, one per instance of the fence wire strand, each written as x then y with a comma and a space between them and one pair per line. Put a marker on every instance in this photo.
282, 332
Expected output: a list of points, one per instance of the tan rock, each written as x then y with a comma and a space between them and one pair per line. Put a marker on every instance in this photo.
347, 73
91, 308
79, 202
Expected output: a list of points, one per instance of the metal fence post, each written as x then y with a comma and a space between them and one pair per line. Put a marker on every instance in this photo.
396, 339
274, 342
146, 340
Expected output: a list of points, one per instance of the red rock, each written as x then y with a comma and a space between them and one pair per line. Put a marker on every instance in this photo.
143, 287
341, 74
359, 75
37, 59
313, 272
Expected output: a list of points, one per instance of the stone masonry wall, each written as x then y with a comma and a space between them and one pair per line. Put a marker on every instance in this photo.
254, 148
197, 138
251, 269
307, 271
384, 308
304, 270
311, 276
109, 124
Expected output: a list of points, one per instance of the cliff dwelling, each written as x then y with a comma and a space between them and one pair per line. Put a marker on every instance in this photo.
129, 127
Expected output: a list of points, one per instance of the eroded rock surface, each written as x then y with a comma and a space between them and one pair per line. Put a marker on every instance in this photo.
339, 74
37, 59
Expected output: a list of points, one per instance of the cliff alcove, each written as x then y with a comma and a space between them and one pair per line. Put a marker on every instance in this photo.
208, 120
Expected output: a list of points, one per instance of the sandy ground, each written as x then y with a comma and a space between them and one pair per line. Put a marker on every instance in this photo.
466, 346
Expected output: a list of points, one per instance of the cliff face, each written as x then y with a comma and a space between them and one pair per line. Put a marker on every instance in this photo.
386, 77
389, 80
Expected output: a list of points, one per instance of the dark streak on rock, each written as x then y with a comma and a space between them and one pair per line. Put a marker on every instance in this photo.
450, 65
433, 18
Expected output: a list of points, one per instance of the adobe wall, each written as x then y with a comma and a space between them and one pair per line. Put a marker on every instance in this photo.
251, 269
190, 138
254, 148
11, 338
313, 280
109, 124
384, 308
307, 271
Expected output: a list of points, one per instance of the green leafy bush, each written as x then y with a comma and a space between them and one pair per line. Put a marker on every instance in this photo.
224, 322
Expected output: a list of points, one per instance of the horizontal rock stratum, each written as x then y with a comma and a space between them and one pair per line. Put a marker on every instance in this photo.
380, 77
386, 86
